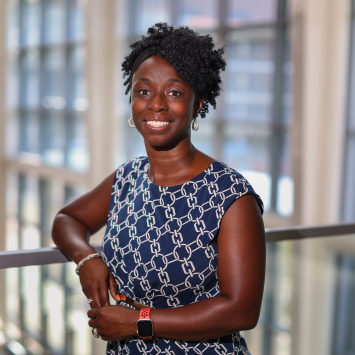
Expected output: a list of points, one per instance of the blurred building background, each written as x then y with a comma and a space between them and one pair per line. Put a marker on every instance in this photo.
285, 120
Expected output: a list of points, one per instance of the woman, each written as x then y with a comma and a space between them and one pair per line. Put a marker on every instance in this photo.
184, 231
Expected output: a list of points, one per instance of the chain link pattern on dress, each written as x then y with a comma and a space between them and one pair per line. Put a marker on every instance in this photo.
160, 244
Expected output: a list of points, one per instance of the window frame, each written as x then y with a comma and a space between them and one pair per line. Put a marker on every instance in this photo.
347, 213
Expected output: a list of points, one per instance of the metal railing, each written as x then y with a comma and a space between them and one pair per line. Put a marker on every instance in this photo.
44, 256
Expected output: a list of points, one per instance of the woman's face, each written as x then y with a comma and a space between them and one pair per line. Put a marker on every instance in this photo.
163, 104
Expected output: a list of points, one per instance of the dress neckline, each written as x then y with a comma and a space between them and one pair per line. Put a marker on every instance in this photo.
195, 178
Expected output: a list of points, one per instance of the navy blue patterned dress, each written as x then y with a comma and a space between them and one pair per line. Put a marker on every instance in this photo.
160, 245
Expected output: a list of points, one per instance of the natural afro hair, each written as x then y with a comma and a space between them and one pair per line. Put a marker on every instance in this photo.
190, 54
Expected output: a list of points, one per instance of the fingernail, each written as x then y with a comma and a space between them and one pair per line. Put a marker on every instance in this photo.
121, 297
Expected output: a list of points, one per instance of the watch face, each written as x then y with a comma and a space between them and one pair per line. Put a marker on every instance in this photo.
145, 328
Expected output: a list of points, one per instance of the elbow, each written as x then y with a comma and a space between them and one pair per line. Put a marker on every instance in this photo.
245, 320
251, 321
57, 228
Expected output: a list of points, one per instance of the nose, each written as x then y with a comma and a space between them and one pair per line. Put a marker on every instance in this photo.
158, 103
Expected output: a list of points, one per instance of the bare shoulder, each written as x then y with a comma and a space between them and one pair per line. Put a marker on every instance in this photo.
244, 213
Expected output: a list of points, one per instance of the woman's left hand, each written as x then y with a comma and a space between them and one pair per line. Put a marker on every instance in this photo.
114, 322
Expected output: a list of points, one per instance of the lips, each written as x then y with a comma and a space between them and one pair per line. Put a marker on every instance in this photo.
157, 123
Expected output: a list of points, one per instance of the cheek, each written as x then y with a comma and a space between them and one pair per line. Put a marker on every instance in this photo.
137, 105
183, 109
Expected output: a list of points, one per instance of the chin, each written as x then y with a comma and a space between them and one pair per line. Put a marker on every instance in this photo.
167, 144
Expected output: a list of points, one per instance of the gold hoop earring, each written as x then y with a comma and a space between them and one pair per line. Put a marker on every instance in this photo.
195, 125
131, 124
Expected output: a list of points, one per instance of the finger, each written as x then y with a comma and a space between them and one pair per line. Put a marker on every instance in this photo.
114, 289
104, 297
95, 333
93, 323
94, 295
96, 299
87, 294
92, 313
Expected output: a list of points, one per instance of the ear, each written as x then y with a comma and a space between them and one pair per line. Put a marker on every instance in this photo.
198, 105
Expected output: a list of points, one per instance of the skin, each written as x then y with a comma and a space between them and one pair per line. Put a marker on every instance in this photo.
159, 94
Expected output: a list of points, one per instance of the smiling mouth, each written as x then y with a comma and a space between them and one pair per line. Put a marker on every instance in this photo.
157, 123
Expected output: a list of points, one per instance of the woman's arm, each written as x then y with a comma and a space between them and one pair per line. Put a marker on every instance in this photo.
241, 271
72, 228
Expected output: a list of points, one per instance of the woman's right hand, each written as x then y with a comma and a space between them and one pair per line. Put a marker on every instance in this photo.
96, 280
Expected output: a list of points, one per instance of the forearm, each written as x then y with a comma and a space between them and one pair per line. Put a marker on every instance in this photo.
209, 318
72, 237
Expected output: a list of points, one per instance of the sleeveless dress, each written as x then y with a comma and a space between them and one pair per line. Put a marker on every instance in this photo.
160, 244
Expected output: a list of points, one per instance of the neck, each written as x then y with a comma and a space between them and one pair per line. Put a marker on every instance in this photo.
171, 167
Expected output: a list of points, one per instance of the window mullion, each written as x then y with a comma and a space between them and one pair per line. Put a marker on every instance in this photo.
348, 194
277, 132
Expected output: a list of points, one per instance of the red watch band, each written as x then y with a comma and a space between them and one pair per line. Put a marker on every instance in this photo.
144, 313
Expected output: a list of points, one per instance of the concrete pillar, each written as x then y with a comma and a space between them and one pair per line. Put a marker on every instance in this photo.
320, 51
102, 77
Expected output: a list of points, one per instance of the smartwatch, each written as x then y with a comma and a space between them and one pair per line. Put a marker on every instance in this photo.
145, 325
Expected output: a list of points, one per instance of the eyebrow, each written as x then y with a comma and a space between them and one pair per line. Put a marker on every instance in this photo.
169, 80
173, 80
143, 79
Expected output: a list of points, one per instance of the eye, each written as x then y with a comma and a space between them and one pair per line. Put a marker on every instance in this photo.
174, 93
143, 92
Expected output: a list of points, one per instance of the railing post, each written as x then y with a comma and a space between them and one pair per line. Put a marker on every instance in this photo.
69, 341
44, 338
268, 303
22, 318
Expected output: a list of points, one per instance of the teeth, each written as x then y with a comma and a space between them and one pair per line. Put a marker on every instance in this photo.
157, 123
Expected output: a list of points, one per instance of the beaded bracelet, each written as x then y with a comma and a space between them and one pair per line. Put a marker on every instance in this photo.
87, 258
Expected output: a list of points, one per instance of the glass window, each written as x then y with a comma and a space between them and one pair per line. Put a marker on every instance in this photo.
76, 154
285, 185
30, 22
76, 29
199, 15
250, 73
246, 148
52, 142
29, 78
54, 78
13, 33
149, 12
249, 129
54, 21
46, 81
76, 83
241, 12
